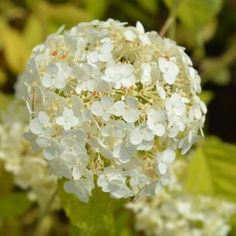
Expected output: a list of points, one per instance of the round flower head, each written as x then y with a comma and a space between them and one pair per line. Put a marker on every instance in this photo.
111, 103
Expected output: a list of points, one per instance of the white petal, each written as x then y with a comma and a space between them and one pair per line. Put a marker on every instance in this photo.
131, 115
165, 180
123, 153
96, 108
43, 118
106, 116
92, 57
161, 91
158, 187
76, 172
128, 81
156, 115
158, 129
147, 134
78, 89
144, 38
77, 188
132, 102
203, 107
125, 69
162, 167
60, 82
67, 113
47, 81
50, 153
60, 120
130, 35
136, 137
146, 73
67, 125
43, 141
106, 102
167, 156
140, 27
118, 108
35, 126
73, 121
106, 47
169, 70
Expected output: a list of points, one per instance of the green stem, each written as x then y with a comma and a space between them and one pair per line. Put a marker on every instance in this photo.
171, 21
44, 213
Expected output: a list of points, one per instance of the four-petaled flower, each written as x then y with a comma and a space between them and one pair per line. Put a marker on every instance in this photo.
164, 159
103, 108
120, 75
41, 124
67, 120
169, 69
156, 122
128, 109
56, 75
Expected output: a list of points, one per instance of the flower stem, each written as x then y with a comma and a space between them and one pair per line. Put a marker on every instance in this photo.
44, 213
171, 20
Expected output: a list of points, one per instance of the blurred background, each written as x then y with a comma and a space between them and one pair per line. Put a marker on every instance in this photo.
207, 28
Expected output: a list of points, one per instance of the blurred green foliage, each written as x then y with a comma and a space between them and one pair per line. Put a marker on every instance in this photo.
212, 169
7, 205
100, 216
207, 28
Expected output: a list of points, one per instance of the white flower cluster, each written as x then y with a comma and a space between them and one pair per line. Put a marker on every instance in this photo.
29, 170
174, 212
112, 103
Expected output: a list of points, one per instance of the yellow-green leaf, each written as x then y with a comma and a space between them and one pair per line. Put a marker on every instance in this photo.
3, 77
212, 170
33, 31
15, 50
151, 5
13, 204
195, 13
97, 217
55, 15
4, 101
96, 8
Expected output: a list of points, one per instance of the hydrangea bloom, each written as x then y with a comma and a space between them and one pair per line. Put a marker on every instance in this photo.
111, 101
29, 170
174, 212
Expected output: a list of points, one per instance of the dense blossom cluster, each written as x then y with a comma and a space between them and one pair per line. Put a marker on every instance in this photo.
29, 170
174, 212
111, 103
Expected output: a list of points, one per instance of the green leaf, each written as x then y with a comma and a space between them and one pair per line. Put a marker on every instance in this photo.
194, 14
134, 12
97, 217
6, 179
212, 170
5, 100
13, 205
232, 224
151, 5
3, 77
55, 15
15, 49
33, 31
97, 8
207, 96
